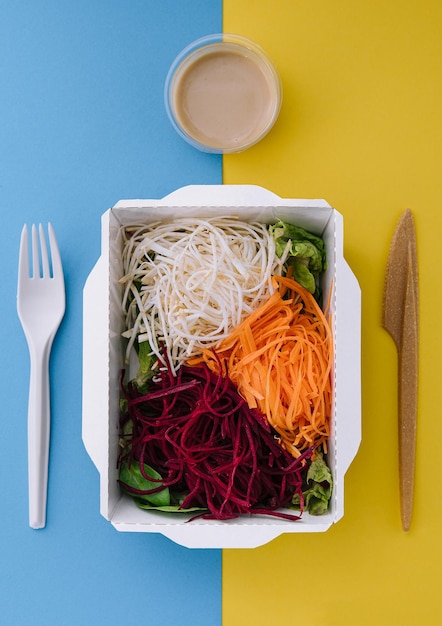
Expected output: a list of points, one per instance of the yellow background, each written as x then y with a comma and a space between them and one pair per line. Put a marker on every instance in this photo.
361, 127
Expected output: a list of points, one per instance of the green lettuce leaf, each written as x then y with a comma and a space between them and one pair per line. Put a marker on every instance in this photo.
318, 487
307, 254
175, 505
303, 276
170, 508
130, 475
146, 362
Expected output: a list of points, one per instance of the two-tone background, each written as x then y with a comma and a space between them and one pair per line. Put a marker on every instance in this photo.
82, 125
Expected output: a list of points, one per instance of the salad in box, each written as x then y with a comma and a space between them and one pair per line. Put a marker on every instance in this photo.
221, 374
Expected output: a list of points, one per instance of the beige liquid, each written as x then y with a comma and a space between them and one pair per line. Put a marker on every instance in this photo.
226, 99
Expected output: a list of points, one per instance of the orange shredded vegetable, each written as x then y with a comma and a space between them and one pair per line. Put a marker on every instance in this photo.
280, 359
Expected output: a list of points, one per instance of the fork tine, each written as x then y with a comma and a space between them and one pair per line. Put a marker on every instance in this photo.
44, 253
57, 269
23, 259
35, 257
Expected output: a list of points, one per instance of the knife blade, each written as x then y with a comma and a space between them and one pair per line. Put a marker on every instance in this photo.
401, 320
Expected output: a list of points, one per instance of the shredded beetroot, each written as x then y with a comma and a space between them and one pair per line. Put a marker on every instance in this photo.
199, 434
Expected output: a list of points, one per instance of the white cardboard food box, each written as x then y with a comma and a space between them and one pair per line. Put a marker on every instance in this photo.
103, 360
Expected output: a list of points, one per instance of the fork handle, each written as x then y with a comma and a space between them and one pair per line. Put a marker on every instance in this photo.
38, 435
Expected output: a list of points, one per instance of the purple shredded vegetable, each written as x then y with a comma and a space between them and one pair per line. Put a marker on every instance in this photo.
200, 435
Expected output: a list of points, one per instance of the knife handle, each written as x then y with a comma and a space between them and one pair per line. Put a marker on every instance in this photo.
408, 393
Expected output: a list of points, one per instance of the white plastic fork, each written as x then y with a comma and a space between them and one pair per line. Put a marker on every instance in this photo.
41, 303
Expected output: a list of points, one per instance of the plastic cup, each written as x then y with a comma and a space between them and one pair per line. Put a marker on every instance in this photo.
222, 93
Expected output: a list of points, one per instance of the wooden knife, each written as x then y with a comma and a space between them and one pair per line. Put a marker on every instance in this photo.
401, 320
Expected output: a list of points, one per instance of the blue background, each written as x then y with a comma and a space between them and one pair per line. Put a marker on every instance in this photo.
82, 125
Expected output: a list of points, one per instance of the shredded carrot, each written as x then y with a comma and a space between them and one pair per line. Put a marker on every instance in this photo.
280, 359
